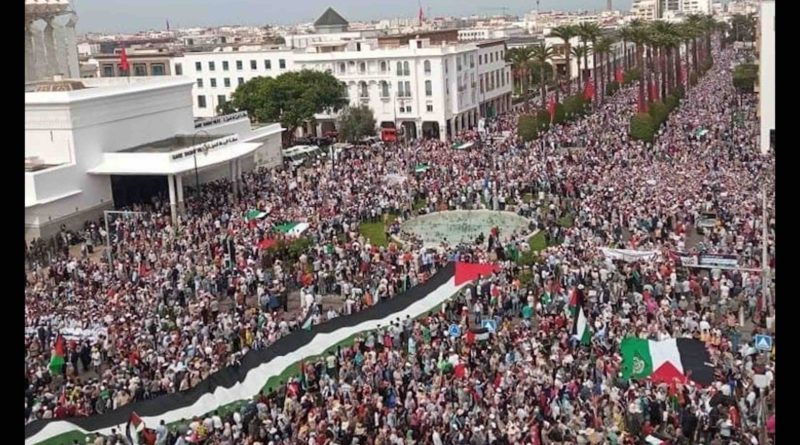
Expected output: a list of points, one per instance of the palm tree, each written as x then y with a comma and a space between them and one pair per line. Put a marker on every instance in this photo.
579, 51
625, 34
519, 59
664, 38
638, 35
603, 49
540, 54
693, 26
565, 33
589, 32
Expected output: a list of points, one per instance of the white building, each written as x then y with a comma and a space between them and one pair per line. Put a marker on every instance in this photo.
766, 75
94, 143
428, 83
646, 9
488, 33
50, 40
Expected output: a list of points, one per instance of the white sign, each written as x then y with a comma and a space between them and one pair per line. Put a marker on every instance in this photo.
629, 255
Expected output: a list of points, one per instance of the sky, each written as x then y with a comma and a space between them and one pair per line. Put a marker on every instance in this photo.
140, 15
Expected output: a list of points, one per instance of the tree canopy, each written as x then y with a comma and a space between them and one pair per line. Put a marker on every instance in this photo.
292, 98
356, 123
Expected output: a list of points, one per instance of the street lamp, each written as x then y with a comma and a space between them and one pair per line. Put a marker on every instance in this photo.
194, 154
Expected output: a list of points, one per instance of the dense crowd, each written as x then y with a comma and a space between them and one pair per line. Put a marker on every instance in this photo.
176, 305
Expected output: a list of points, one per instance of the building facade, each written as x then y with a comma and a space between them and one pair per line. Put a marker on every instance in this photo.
766, 75
50, 40
97, 143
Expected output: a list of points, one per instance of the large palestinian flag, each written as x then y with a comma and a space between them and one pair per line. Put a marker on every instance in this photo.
231, 385
664, 361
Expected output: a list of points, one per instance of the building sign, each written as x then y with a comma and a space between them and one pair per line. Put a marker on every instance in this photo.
205, 147
221, 119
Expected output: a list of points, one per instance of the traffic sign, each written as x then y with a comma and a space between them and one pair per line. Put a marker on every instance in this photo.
455, 330
490, 324
763, 342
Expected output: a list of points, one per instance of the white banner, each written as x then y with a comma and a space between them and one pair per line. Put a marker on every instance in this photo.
628, 255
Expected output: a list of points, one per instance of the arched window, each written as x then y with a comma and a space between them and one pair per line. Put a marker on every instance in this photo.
427, 66
362, 67
383, 67
406, 71
399, 69
342, 67
363, 90
384, 88
428, 88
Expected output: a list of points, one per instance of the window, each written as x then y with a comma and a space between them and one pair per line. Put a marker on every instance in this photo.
253, 65
408, 108
342, 67
227, 82
213, 82
139, 69
406, 71
363, 90
362, 67
383, 67
201, 101
399, 68
178, 69
384, 88
428, 88
221, 99
282, 64
429, 108
108, 70
225, 65
358, 46
400, 89
267, 64
472, 60
427, 66
198, 67
211, 66
199, 83
239, 66
240, 81
419, 44
408, 89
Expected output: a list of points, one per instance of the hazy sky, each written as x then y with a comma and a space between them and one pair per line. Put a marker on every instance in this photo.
138, 15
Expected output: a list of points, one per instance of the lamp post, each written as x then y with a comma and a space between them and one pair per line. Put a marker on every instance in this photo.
194, 154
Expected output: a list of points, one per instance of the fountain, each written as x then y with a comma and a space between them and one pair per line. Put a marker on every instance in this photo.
464, 226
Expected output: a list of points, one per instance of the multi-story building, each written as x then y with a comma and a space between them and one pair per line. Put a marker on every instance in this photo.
766, 75
488, 33
428, 84
646, 9
141, 63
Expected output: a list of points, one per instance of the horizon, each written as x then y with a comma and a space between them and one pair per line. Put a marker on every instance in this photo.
116, 16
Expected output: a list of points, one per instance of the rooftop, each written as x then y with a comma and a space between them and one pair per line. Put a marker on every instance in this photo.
171, 144
330, 18
69, 90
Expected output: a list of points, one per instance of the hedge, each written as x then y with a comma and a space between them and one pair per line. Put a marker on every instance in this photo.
530, 125
612, 87
631, 76
744, 77
527, 127
643, 127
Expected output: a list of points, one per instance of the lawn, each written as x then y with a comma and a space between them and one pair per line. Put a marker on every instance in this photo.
375, 232
538, 242
567, 221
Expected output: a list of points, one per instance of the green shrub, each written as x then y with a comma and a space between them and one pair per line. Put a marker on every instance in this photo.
575, 106
658, 111
679, 91
543, 118
744, 77
561, 114
672, 102
528, 128
612, 87
631, 76
643, 127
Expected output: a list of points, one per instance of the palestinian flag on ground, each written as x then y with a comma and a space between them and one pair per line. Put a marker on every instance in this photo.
57, 357
581, 329
133, 428
293, 229
664, 361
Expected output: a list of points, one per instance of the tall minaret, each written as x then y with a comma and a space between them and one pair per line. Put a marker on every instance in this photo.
608, 6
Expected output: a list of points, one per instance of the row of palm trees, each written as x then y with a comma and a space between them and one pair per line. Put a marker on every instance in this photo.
655, 54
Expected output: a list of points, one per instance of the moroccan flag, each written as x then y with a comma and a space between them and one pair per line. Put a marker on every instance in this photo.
133, 428
266, 243
293, 229
581, 329
588, 91
123, 60
57, 358
653, 91
551, 108
618, 76
682, 358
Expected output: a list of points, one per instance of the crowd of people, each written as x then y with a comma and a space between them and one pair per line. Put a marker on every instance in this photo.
180, 302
